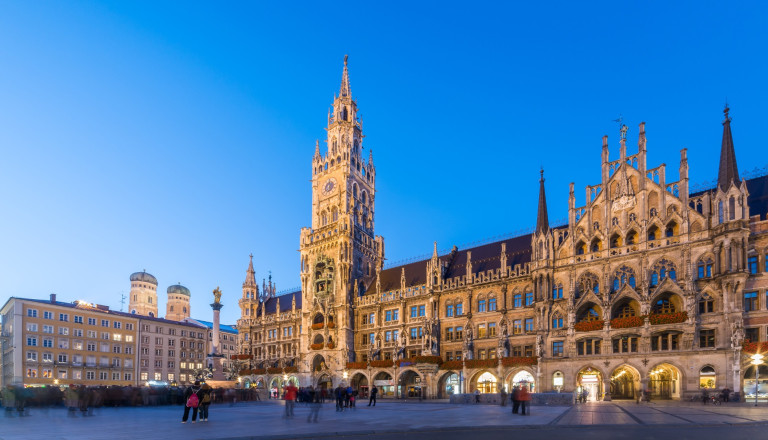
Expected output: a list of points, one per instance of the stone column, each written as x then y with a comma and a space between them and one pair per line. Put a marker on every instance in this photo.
215, 358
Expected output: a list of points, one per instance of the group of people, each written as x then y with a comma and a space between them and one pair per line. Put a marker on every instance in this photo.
345, 397
520, 397
197, 398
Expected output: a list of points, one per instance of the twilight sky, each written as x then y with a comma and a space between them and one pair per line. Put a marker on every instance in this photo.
177, 137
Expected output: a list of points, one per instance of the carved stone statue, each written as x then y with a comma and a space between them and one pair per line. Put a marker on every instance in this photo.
539, 346
217, 295
504, 328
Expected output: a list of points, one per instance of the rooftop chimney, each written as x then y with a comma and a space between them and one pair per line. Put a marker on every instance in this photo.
53, 298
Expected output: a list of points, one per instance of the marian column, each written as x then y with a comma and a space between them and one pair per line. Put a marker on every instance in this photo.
215, 358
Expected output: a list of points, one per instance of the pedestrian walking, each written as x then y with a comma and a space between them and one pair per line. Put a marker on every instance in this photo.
503, 396
525, 399
339, 395
205, 401
192, 400
374, 392
314, 404
290, 392
515, 399
9, 400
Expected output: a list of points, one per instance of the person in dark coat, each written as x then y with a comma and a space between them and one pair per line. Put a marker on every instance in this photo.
374, 392
515, 399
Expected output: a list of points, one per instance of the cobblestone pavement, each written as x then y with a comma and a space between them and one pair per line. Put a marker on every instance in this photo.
259, 419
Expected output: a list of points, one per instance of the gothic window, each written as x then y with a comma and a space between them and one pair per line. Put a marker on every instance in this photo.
588, 282
731, 208
325, 167
492, 304
334, 145
596, 226
631, 237
323, 218
632, 217
623, 275
354, 190
595, 246
663, 305
720, 215
557, 321
653, 233
517, 300
580, 248
705, 268
661, 270
615, 221
625, 311
344, 113
589, 315
557, 291
365, 198
334, 214
671, 230
615, 240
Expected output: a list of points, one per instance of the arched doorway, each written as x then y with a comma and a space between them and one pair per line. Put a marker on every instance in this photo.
260, 384
385, 384
664, 382
589, 383
293, 380
624, 381
274, 388
760, 387
318, 363
487, 383
449, 384
324, 382
360, 383
524, 378
410, 385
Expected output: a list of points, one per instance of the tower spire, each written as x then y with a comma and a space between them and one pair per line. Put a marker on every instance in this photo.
345, 90
728, 171
250, 277
542, 221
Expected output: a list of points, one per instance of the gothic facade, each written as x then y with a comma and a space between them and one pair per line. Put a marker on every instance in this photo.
647, 287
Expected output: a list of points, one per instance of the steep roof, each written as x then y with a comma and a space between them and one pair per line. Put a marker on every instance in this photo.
728, 171
484, 257
286, 300
758, 196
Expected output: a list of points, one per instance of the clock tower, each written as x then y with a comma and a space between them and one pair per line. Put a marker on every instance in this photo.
340, 255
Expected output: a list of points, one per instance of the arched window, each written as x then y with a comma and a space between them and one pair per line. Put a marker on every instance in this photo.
334, 214
720, 214
492, 304
323, 218
581, 248
661, 270
631, 237
589, 315
588, 282
653, 233
557, 321
481, 305
354, 190
365, 198
707, 377
623, 275
663, 305
671, 230
595, 246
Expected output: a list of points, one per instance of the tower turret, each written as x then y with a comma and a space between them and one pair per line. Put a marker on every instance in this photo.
177, 307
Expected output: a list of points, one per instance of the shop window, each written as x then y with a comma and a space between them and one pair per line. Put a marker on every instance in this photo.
707, 378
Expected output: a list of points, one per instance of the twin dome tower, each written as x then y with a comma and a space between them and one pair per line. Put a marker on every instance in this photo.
143, 298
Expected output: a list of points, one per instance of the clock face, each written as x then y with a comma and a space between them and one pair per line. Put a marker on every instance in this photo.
329, 186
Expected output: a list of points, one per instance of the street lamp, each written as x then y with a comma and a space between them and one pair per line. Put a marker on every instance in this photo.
757, 360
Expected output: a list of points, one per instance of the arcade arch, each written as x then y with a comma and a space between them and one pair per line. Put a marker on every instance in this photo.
664, 382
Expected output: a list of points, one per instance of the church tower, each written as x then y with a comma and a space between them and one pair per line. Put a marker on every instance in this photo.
143, 296
340, 253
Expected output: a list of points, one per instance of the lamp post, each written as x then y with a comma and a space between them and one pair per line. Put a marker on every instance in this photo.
757, 360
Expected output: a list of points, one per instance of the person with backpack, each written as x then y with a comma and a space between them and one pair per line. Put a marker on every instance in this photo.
192, 399
205, 401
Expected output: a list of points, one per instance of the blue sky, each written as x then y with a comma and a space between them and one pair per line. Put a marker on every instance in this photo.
176, 137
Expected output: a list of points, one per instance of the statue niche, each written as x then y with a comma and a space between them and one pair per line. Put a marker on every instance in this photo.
324, 277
